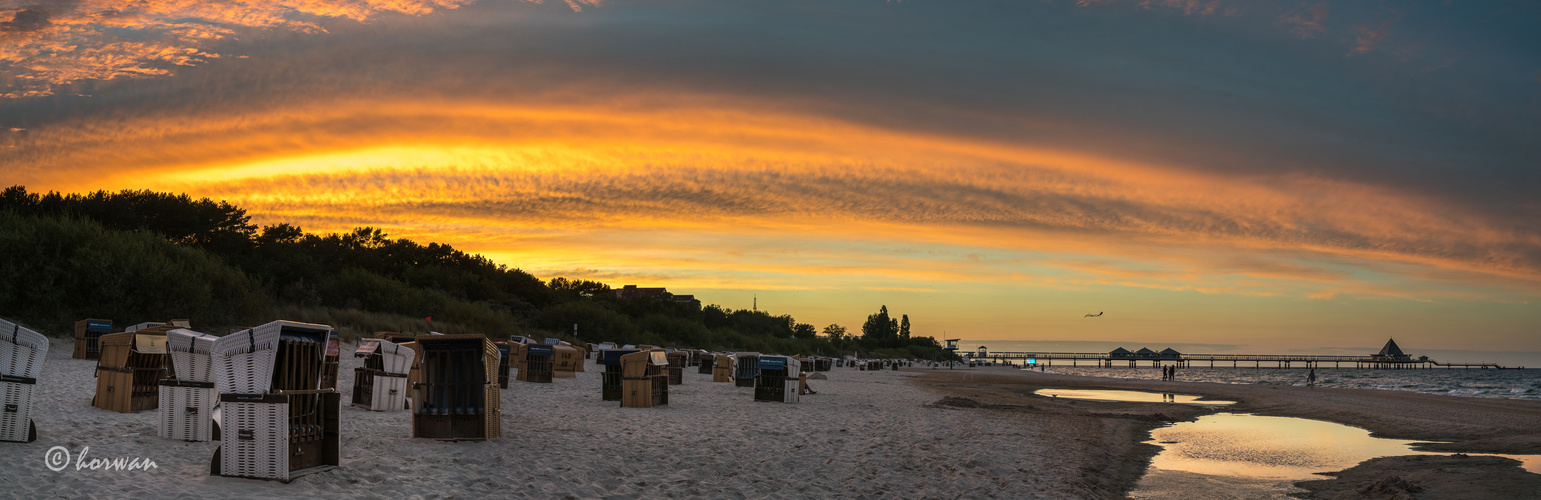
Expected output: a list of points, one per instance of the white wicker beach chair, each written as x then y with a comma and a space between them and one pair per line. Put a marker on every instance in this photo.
187, 401
22, 352
381, 385
276, 422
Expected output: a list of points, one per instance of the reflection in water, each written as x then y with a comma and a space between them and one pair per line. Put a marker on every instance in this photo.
1255, 446
55, 43
1126, 396
1267, 454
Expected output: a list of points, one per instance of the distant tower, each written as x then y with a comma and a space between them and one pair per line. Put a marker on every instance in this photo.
756, 303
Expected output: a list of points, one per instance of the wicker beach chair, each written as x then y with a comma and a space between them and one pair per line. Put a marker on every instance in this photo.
130, 369
276, 421
723, 368
505, 361
455, 394
88, 332
187, 393
566, 361
644, 379
22, 352
678, 360
610, 379
778, 379
705, 361
535, 362
381, 384
746, 366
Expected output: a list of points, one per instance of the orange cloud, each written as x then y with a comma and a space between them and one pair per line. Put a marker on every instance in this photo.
488, 177
64, 42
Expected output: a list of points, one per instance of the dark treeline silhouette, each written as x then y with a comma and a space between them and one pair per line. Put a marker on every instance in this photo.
135, 256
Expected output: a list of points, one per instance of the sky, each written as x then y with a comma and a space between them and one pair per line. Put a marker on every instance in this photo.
1280, 175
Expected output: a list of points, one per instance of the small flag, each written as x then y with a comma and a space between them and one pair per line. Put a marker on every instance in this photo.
428, 319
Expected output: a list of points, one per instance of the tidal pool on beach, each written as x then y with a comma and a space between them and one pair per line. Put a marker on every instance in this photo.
1127, 396
1260, 455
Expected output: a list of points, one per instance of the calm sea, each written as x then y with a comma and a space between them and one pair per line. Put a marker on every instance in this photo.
1512, 384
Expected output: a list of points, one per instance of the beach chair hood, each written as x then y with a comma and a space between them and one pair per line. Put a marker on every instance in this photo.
21, 351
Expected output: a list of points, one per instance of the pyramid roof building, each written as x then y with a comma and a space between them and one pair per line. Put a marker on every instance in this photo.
1391, 349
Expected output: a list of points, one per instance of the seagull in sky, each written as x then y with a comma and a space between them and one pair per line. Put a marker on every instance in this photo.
1099, 313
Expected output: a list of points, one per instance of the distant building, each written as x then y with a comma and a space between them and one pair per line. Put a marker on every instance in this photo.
660, 293
1170, 353
1120, 353
1145, 352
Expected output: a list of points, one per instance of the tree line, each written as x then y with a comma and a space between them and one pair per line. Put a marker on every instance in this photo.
140, 255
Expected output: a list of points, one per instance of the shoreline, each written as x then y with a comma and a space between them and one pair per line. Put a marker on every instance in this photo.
1461, 424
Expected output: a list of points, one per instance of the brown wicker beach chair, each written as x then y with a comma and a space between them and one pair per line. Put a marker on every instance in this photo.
455, 394
129, 371
644, 383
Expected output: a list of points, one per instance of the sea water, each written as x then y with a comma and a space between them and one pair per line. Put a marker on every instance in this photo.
1510, 384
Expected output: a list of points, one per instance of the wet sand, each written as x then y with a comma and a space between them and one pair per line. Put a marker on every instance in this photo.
1470, 425
1456, 476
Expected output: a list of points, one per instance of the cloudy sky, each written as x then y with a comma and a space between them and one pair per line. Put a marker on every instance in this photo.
1292, 174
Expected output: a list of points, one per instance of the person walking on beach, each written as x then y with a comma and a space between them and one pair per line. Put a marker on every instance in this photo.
1311, 378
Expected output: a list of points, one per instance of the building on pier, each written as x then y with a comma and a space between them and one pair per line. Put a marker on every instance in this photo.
1391, 353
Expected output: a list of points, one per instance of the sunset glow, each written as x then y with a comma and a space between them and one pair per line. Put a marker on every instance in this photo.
1228, 172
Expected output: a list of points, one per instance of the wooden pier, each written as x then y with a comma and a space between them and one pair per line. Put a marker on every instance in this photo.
1103, 360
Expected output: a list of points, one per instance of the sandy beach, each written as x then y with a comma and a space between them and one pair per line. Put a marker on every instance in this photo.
915, 433
864, 435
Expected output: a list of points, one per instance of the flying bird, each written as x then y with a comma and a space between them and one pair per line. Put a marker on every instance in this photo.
1099, 313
